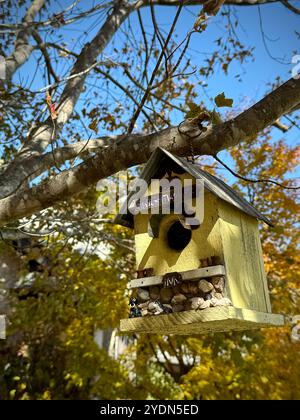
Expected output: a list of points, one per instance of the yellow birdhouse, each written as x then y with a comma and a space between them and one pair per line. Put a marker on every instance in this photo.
198, 253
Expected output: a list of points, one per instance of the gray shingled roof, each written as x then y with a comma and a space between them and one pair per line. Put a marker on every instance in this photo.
158, 161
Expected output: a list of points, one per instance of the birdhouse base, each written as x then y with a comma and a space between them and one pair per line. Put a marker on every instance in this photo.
210, 320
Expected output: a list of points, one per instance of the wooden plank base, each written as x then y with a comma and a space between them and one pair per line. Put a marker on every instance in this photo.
219, 319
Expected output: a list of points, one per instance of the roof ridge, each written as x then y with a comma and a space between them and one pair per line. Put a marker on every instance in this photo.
214, 184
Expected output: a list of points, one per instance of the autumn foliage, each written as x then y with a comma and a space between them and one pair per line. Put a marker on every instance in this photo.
52, 328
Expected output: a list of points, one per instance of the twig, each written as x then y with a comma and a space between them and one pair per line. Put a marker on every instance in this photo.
271, 181
140, 86
146, 44
146, 94
277, 59
47, 59
120, 86
73, 76
290, 7
159, 36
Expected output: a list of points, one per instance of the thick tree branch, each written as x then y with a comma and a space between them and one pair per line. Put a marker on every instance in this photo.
42, 135
136, 149
199, 2
61, 155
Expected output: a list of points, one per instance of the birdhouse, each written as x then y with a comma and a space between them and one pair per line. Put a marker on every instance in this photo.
205, 276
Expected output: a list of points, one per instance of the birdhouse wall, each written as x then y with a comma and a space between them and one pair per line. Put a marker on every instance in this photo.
155, 253
246, 278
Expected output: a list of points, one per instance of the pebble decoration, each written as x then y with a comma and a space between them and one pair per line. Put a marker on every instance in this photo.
190, 295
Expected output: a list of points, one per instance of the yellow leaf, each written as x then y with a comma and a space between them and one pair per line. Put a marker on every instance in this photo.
94, 126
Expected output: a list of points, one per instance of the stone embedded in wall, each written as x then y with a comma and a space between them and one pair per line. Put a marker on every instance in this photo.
193, 289
205, 305
220, 302
166, 295
178, 307
205, 286
204, 262
195, 303
189, 288
210, 261
154, 292
184, 288
168, 309
156, 309
143, 295
217, 295
219, 284
145, 312
144, 305
178, 299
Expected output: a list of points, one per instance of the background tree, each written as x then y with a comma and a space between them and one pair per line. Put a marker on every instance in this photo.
92, 88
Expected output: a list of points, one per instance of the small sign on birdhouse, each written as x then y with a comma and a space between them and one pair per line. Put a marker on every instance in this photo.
172, 280
197, 271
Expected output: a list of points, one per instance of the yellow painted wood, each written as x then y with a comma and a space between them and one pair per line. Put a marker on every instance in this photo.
155, 253
246, 280
217, 319
261, 269
225, 232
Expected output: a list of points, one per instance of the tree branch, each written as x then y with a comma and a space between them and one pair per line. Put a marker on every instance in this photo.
62, 155
136, 149
23, 49
199, 2
292, 8
282, 127
156, 68
46, 56
15, 27
41, 136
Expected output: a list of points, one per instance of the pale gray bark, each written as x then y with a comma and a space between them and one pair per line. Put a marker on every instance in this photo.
31, 160
28, 161
200, 2
41, 136
136, 149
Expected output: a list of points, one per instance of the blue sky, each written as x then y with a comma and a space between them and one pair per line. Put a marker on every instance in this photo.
279, 25
281, 41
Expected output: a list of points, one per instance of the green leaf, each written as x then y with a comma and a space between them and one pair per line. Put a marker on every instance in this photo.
222, 101
194, 111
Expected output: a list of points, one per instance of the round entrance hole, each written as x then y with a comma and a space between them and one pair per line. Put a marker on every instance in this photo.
178, 237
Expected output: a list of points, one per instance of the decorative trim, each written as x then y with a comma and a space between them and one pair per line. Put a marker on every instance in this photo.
200, 273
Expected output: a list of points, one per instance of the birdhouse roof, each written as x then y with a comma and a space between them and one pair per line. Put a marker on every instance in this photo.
158, 162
